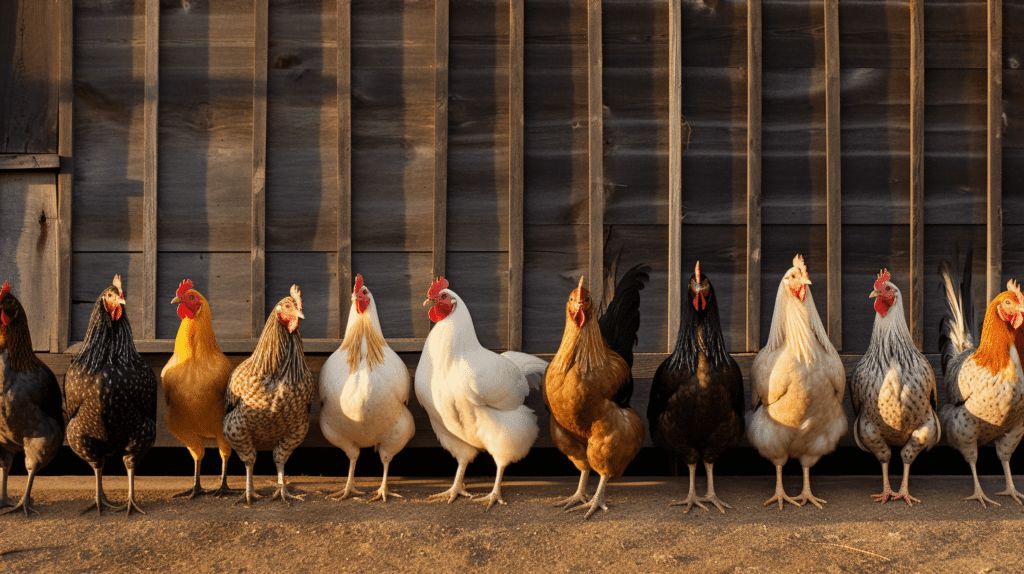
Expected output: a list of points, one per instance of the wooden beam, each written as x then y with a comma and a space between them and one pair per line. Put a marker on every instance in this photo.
994, 216
344, 63
149, 180
515, 175
18, 161
916, 307
65, 178
440, 135
259, 168
753, 175
595, 149
833, 160
675, 169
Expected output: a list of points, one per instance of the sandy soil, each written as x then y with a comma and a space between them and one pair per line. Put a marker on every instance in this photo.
639, 532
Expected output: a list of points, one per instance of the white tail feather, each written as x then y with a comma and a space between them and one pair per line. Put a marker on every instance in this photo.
958, 330
532, 367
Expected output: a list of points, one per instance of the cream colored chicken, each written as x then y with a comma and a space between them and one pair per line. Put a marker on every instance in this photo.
797, 388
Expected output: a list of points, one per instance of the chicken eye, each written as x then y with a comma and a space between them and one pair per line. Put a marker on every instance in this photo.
587, 300
888, 288
192, 297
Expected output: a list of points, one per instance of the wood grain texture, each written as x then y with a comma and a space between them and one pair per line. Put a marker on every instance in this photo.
675, 173
834, 161
753, 291
257, 245
149, 185
26, 161
29, 70
515, 175
994, 161
440, 212
344, 79
916, 298
65, 180
595, 152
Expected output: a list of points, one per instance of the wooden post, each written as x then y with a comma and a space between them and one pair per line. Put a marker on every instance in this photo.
259, 168
675, 170
65, 179
515, 176
834, 217
917, 172
149, 186
753, 342
440, 135
994, 216
595, 150
344, 63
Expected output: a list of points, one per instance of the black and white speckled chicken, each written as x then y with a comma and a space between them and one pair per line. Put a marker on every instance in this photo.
893, 391
31, 418
110, 396
269, 396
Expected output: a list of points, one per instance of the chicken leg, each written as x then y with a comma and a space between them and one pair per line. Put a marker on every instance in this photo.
495, 495
780, 494
383, 492
4, 470
1011, 490
904, 487
282, 488
709, 496
691, 498
805, 495
101, 498
887, 492
979, 495
458, 487
350, 488
250, 493
581, 492
596, 502
26, 499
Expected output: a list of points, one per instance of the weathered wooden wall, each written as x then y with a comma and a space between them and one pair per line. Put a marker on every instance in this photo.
512, 145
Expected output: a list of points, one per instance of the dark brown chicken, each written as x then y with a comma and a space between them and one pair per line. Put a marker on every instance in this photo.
588, 385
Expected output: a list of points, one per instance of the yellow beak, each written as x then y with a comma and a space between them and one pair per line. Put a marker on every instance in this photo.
874, 294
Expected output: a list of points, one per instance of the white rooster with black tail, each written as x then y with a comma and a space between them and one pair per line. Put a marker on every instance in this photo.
474, 396
797, 387
364, 390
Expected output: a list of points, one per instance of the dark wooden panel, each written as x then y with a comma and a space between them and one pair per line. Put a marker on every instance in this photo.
481, 279
302, 127
399, 283
29, 70
28, 246
866, 250
93, 272
392, 34
779, 243
1013, 187
316, 274
206, 126
223, 278
478, 35
1013, 107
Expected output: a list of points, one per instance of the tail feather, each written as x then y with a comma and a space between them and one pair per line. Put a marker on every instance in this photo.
958, 329
621, 321
532, 367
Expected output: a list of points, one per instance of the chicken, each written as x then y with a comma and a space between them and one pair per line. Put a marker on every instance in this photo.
797, 387
269, 396
473, 396
984, 383
588, 386
31, 419
364, 390
110, 396
696, 406
194, 381
893, 391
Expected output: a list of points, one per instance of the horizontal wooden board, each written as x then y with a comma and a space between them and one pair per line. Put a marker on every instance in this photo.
28, 247
21, 161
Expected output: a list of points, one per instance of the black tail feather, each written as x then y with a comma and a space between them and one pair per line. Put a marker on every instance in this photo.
621, 321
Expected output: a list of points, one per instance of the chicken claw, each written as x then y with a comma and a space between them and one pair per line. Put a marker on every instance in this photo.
451, 494
287, 497
247, 497
491, 499
689, 501
806, 496
718, 502
980, 497
382, 494
25, 505
780, 496
348, 491
596, 502
1012, 493
578, 498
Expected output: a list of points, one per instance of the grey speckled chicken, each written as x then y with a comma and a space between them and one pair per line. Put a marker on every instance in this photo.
31, 417
269, 396
893, 391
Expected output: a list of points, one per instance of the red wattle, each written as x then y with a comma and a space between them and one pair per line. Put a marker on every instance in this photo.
115, 313
362, 305
439, 312
3, 317
579, 317
881, 307
184, 312
695, 302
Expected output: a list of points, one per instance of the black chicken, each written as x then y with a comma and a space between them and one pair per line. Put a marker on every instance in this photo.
110, 396
696, 407
30, 412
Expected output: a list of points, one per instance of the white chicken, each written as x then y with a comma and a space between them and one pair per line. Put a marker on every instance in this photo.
364, 390
474, 397
797, 388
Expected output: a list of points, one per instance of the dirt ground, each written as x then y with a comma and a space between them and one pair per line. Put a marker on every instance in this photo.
639, 532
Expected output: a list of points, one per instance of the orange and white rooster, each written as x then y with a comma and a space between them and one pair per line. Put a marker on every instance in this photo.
984, 382
474, 396
364, 390
797, 388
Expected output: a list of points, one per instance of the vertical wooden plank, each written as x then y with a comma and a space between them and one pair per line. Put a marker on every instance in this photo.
917, 172
595, 149
834, 213
259, 168
675, 169
994, 233
440, 135
344, 20
65, 177
149, 185
515, 175
753, 175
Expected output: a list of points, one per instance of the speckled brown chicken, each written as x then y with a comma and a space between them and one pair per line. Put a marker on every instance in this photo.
893, 392
269, 396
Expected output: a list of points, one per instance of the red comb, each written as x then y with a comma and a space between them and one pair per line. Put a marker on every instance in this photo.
117, 283
1011, 286
798, 262
697, 271
184, 287
436, 287
297, 296
359, 283
5, 289
883, 277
